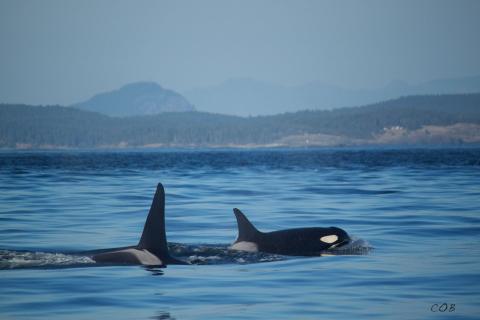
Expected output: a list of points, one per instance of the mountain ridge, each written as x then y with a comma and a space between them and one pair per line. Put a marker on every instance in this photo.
247, 96
138, 98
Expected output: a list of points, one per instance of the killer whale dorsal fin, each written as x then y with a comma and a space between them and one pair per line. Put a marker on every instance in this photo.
246, 230
153, 237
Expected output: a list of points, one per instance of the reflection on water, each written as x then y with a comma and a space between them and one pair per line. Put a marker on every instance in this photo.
163, 316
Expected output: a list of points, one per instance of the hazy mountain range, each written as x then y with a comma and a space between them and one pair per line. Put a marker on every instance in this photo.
145, 114
249, 97
140, 98
245, 96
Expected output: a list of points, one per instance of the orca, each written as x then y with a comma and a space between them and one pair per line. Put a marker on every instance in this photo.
291, 242
152, 249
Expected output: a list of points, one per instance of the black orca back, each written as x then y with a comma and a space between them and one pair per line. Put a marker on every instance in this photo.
152, 242
299, 241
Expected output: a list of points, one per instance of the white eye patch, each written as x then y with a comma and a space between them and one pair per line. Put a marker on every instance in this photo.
329, 239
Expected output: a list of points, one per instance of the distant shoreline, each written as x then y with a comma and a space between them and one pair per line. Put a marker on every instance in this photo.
459, 134
245, 147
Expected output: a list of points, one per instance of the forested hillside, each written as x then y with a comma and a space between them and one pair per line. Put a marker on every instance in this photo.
56, 126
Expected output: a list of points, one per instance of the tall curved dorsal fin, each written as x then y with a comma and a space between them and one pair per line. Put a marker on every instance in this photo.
246, 230
153, 237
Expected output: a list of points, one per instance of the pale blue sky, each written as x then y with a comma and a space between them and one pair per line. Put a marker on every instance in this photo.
61, 52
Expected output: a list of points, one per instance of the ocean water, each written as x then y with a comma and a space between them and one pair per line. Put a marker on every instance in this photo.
414, 214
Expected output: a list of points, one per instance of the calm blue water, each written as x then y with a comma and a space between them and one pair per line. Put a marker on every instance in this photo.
419, 210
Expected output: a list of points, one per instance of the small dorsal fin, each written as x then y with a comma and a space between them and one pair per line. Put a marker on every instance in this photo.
246, 230
153, 237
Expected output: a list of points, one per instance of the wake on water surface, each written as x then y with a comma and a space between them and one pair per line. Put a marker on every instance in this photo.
202, 254
11, 259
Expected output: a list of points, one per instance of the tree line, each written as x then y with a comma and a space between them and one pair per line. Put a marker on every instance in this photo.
38, 126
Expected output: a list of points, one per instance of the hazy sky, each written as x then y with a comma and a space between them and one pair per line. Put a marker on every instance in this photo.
61, 52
